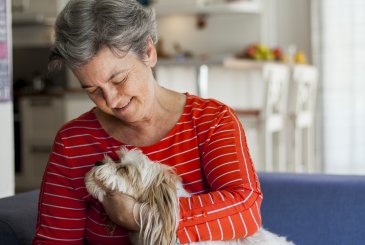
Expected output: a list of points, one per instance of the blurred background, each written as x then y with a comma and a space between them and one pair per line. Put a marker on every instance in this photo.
293, 70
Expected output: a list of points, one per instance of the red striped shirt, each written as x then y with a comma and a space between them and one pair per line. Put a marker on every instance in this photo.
207, 148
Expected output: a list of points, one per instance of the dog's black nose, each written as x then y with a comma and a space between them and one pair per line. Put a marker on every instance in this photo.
99, 163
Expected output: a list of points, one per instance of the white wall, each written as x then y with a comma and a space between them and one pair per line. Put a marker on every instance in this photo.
6, 150
294, 22
285, 23
281, 23
222, 34
7, 172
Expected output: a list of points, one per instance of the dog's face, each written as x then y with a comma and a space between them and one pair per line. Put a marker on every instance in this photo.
147, 182
131, 175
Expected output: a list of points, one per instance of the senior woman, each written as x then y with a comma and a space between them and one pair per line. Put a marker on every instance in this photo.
110, 47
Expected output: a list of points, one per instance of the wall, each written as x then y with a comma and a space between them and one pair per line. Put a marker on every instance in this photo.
285, 23
281, 23
215, 38
6, 150
293, 24
7, 172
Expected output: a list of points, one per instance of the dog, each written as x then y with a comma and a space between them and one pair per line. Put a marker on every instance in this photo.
157, 187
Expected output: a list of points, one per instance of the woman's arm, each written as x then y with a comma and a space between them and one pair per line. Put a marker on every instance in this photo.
61, 212
232, 209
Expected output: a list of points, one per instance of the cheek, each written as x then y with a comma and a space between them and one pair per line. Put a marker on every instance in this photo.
96, 98
141, 81
99, 101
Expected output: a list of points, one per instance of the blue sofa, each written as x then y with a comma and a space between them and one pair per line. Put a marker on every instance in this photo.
308, 209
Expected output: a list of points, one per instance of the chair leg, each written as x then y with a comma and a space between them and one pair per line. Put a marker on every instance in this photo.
310, 150
298, 147
269, 163
282, 164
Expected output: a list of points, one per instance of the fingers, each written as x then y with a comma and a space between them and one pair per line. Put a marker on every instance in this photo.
122, 209
107, 190
116, 195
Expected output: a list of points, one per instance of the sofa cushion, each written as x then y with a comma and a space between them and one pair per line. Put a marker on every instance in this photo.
315, 209
18, 215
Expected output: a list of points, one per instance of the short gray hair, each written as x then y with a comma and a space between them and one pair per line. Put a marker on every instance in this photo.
85, 26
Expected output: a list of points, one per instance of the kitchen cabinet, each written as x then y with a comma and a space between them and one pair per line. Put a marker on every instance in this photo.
41, 116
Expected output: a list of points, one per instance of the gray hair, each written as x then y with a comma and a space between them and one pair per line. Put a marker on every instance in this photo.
85, 26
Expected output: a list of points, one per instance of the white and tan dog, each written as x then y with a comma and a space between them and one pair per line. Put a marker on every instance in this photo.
156, 186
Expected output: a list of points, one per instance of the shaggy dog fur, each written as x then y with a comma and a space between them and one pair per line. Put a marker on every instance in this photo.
157, 188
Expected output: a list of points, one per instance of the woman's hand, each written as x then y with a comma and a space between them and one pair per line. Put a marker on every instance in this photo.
122, 210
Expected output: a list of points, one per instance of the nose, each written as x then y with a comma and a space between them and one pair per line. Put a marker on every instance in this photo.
111, 96
99, 163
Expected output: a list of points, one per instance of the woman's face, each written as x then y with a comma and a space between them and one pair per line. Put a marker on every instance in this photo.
121, 86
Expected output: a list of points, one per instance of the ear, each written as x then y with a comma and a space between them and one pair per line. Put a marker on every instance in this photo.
151, 53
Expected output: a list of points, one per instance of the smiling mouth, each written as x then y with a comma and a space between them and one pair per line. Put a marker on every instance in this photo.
122, 108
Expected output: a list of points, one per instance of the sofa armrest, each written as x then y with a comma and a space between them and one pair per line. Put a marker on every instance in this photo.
18, 215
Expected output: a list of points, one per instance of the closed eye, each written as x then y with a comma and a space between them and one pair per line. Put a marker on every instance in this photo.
121, 82
91, 90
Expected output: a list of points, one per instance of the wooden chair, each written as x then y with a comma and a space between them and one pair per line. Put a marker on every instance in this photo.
303, 87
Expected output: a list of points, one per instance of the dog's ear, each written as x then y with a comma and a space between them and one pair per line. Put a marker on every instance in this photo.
107, 159
134, 155
162, 199
122, 152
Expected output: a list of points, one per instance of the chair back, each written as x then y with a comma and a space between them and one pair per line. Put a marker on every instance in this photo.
301, 120
305, 82
276, 80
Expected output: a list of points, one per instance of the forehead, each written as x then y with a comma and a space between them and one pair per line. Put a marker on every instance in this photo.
104, 65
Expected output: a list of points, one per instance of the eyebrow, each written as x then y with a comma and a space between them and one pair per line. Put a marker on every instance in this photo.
110, 78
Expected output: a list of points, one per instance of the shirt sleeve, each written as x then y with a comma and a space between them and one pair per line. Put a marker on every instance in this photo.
61, 211
232, 209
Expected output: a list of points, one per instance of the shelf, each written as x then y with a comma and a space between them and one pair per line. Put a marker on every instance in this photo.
192, 7
189, 62
226, 62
